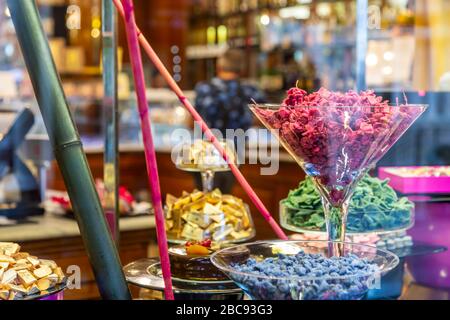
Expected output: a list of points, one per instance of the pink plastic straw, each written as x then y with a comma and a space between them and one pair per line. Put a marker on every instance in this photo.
150, 156
175, 88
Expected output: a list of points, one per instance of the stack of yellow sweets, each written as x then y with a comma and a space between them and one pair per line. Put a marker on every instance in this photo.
22, 274
213, 215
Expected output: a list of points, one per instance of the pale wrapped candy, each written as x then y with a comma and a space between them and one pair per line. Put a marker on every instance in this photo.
199, 219
199, 215
42, 272
26, 278
34, 261
203, 156
193, 232
21, 255
7, 259
196, 205
9, 276
4, 294
212, 209
181, 202
9, 248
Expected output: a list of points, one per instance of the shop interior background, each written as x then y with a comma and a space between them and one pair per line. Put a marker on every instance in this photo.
287, 42
311, 44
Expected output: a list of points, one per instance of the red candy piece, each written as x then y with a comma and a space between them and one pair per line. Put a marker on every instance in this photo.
204, 243
64, 202
294, 96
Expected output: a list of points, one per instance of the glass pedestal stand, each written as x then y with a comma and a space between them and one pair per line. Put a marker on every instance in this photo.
207, 180
207, 214
202, 156
336, 144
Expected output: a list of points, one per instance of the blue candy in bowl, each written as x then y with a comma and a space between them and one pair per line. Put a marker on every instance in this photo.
304, 270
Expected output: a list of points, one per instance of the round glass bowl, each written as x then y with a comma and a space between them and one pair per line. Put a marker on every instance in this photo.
55, 293
358, 222
309, 287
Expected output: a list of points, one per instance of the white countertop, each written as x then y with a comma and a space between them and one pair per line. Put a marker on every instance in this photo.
51, 227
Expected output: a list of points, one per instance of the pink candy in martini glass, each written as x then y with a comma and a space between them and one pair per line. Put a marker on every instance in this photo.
336, 138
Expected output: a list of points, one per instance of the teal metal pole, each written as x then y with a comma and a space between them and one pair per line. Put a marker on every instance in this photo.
68, 150
110, 118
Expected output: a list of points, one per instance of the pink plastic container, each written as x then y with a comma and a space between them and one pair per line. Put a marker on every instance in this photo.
432, 226
415, 185
432, 222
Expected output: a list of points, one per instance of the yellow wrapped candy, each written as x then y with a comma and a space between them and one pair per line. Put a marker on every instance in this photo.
199, 215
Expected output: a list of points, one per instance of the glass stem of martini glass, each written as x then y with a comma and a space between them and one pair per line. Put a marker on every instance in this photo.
207, 180
336, 221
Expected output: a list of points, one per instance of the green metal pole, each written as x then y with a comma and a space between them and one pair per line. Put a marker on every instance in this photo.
110, 117
68, 150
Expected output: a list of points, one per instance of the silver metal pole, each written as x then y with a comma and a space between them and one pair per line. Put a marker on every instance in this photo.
110, 117
361, 43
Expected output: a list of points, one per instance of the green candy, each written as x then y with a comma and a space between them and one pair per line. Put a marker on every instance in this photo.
374, 206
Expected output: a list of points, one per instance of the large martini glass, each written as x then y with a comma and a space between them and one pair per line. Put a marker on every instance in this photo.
336, 145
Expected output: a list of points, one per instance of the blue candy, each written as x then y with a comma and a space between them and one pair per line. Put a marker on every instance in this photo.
351, 283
